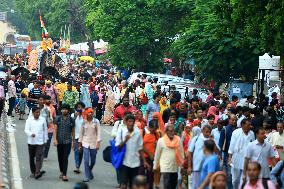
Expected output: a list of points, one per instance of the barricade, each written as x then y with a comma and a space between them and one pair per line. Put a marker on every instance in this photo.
5, 182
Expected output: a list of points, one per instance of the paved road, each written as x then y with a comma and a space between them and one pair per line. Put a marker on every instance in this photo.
103, 172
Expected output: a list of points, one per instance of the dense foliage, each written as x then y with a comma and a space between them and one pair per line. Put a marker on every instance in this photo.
57, 15
223, 37
139, 32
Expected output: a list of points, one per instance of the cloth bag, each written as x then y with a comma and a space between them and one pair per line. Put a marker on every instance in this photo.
117, 154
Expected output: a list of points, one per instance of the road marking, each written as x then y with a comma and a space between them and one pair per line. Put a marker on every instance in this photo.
16, 173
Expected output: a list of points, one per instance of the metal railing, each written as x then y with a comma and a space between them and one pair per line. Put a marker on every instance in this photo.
5, 182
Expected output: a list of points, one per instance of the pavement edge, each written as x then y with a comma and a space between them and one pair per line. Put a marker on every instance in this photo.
14, 159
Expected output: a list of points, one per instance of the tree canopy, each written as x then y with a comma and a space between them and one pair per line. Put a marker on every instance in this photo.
223, 37
56, 14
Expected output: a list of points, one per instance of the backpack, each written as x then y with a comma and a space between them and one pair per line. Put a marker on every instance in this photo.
264, 184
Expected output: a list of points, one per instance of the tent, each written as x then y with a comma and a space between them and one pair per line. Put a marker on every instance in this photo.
84, 46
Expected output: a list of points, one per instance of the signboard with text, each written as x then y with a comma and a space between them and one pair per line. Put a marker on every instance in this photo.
3, 16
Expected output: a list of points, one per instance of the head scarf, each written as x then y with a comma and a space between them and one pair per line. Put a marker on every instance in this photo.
180, 120
174, 144
86, 112
196, 131
213, 111
160, 121
186, 137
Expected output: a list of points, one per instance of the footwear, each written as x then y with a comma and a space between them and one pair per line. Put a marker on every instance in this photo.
77, 171
38, 176
92, 176
42, 172
44, 159
60, 176
64, 178
86, 180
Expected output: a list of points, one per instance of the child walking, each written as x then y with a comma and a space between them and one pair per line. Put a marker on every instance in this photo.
22, 106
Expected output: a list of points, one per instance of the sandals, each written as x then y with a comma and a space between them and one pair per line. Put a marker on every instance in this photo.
64, 178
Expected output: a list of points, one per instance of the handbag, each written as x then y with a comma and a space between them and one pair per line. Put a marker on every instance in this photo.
117, 154
107, 154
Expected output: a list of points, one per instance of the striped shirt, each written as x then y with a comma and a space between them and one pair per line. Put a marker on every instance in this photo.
238, 147
34, 94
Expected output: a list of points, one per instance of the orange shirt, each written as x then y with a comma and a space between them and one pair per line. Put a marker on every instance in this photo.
149, 142
53, 114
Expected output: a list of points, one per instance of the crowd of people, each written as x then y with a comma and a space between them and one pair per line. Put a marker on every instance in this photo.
173, 142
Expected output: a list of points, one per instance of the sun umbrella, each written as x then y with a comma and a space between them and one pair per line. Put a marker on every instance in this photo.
87, 58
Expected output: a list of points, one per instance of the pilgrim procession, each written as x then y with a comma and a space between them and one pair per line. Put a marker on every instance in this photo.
141, 94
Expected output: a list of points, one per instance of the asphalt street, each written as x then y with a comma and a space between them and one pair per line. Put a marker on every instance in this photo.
104, 173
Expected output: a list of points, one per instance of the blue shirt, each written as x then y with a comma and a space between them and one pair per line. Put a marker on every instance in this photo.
210, 165
151, 108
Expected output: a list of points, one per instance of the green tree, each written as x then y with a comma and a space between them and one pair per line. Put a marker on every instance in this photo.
272, 29
139, 32
217, 42
56, 14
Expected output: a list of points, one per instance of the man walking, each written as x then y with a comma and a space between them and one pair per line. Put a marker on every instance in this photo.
90, 139
70, 97
121, 109
36, 129
169, 156
261, 152
224, 144
12, 95
131, 137
64, 138
78, 153
152, 107
239, 142
196, 155
51, 91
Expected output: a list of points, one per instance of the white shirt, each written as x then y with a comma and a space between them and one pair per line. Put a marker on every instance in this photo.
11, 89
261, 153
133, 146
78, 124
37, 127
238, 147
240, 120
277, 139
114, 130
165, 157
30, 87
216, 135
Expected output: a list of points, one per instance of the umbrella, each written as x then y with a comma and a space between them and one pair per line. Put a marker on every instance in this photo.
87, 58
